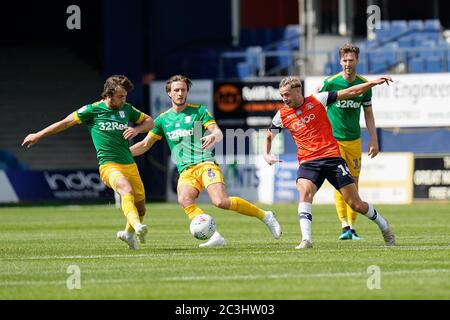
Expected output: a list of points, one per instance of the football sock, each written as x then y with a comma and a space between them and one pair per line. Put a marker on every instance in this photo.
246, 208
192, 211
305, 219
129, 228
373, 215
130, 211
351, 216
341, 208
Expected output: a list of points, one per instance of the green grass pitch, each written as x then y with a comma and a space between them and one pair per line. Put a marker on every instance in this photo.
38, 244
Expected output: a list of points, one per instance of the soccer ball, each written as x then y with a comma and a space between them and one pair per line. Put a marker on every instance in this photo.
203, 226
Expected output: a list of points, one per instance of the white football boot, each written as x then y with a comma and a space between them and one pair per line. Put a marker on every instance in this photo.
273, 225
216, 240
128, 238
304, 244
141, 232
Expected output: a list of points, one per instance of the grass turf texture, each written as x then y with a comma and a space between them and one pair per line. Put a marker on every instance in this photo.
38, 244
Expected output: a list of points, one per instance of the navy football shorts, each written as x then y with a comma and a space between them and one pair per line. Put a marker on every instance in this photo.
335, 170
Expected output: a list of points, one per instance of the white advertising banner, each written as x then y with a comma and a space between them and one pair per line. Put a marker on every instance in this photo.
385, 179
412, 100
201, 92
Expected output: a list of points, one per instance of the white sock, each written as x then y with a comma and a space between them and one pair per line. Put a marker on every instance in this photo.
305, 219
373, 215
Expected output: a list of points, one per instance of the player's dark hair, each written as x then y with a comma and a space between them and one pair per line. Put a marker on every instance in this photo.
176, 78
115, 81
349, 48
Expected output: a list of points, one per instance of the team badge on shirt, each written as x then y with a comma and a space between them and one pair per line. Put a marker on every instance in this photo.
188, 119
309, 106
122, 114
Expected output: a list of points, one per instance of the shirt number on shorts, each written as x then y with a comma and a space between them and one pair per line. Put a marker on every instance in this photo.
344, 168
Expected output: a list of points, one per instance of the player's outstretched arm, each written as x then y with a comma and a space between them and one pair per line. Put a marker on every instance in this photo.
144, 126
143, 146
267, 147
361, 88
54, 128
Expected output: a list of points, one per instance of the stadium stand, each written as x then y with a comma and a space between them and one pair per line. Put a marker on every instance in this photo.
417, 44
30, 103
271, 48
8, 161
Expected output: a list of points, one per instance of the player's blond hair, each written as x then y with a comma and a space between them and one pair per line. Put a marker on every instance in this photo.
349, 48
176, 78
292, 82
115, 81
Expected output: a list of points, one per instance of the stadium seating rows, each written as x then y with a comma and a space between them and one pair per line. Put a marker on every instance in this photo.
417, 44
276, 53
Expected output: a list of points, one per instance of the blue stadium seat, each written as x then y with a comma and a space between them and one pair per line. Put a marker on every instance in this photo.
433, 64
284, 59
361, 68
415, 25
432, 29
419, 39
405, 42
292, 34
398, 28
253, 58
372, 44
378, 65
432, 25
328, 69
243, 70
383, 32
390, 53
416, 65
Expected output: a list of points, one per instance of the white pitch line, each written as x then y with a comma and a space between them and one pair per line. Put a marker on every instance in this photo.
262, 252
225, 278
293, 276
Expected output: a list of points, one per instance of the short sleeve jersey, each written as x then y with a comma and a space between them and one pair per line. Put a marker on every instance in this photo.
344, 114
183, 132
309, 127
106, 127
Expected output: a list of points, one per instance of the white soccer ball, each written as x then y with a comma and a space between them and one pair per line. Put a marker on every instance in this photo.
203, 226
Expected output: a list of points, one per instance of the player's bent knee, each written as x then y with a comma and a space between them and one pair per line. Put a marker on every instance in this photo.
221, 203
357, 206
124, 188
306, 196
185, 202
